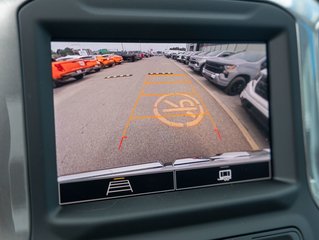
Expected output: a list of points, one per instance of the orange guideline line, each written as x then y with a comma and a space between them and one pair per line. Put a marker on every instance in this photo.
132, 112
167, 116
163, 94
169, 82
209, 115
166, 75
130, 117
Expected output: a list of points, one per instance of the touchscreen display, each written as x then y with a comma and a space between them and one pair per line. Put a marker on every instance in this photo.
141, 118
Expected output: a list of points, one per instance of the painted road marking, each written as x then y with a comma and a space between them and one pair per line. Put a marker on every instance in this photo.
160, 73
188, 104
117, 76
162, 94
216, 130
169, 82
166, 116
166, 75
237, 122
124, 136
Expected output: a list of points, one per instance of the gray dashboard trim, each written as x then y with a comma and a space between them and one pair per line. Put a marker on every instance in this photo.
306, 13
14, 192
15, 220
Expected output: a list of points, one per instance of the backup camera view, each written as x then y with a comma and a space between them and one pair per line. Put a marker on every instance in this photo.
125, 109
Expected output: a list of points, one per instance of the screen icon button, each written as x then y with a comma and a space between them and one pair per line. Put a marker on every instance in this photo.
225, 175
119, 185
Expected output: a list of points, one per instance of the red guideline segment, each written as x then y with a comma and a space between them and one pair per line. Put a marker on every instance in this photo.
218, 134
122, 139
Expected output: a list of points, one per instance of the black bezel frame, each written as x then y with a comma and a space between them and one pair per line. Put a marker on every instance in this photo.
39, 24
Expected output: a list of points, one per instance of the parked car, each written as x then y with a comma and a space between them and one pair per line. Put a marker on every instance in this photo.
184, 56
66, 70
146, 54
192, 58
105, 61
116, 58
170, 53
138, 54
188, 56
198, 61
179, 56
175, 55
91, 64
128, 56
255, 99
234, 72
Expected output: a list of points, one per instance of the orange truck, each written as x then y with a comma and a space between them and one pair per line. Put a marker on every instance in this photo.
105, 61
65, 69
116, 58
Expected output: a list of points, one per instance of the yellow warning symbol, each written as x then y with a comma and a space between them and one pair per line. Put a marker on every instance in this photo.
182, 109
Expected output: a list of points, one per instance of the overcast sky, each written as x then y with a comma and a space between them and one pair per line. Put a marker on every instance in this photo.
116, 46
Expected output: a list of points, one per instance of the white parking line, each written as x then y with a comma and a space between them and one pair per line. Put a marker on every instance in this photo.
236, 121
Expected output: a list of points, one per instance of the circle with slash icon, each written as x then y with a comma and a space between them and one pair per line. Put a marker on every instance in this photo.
178, 110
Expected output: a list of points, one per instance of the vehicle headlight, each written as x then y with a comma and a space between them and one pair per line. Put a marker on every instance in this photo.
230, 68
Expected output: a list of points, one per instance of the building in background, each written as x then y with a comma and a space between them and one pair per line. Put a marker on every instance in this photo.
229, 47
191, 46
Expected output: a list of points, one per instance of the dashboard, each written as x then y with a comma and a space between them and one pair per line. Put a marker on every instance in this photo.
159, 119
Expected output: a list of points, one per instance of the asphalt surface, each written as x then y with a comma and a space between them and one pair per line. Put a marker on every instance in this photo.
106, 123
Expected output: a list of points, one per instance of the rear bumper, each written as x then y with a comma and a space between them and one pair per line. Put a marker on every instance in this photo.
67, 76
92, 69
119, 61
111, 63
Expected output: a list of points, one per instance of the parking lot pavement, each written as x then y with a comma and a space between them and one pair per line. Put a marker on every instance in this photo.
126, 120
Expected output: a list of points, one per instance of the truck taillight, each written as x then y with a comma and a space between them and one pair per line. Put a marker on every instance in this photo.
59, 67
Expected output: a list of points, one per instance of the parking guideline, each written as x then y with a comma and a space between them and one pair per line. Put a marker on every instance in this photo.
189, 105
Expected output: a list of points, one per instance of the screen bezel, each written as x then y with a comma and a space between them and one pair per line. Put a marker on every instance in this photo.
38, 29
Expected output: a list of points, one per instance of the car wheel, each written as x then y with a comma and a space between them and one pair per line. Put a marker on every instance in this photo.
78, 77
56, 84
236, 86
97, 70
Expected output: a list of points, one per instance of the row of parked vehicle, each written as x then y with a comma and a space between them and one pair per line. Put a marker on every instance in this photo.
74, 67
243, 73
